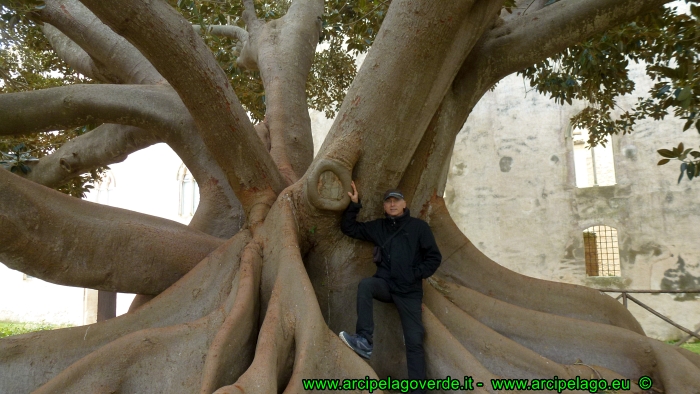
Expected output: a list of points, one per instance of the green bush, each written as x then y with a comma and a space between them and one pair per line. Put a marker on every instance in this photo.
13, 328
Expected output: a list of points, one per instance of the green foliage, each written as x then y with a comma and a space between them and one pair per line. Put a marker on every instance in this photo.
354, 23
18, 159
21, 152
509, 5
596, 71
11, 328
247, 84
689, 158
331, 75
27, 62
348, 27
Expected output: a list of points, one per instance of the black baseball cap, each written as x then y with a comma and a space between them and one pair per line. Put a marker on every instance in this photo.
396, 193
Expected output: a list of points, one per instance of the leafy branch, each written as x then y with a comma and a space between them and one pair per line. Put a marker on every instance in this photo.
689, 158
17, 159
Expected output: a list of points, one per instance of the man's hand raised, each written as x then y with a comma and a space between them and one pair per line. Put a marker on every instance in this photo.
353, 194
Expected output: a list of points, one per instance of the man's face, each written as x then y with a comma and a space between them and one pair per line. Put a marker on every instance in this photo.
393, 206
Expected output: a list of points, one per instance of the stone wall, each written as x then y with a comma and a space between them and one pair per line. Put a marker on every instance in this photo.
512, 189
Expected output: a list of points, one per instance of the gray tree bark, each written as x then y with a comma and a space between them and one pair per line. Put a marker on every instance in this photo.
259, 312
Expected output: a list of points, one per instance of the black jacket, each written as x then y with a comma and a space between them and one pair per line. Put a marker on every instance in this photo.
409, 257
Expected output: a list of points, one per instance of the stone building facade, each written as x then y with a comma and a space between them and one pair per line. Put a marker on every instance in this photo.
521, 188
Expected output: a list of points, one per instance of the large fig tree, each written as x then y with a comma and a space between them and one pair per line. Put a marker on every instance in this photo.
249, 297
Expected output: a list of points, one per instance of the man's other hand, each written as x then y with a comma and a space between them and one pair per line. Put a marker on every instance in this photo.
353, 194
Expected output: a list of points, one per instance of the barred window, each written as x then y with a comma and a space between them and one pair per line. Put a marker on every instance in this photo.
594, 166
602, 251
189, 192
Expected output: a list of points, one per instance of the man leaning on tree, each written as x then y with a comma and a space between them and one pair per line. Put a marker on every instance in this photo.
409, 254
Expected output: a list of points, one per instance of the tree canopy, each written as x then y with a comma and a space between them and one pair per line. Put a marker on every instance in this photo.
595, 71
248, 297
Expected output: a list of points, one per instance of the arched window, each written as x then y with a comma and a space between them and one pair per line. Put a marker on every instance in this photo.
189, 192
104, 187
602, 251
594, 166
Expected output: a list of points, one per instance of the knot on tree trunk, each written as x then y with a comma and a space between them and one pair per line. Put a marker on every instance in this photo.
68, 162
327, 185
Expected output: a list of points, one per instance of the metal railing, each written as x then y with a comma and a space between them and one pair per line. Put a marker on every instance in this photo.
624, 294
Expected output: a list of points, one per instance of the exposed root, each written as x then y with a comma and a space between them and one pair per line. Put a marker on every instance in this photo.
566, 340
501, 355
294, 341
465, 264
233, 347
676, 374
34, 358
157, 360
228, 332
45, 231
139, 301
692, 357
445, 356
272, 363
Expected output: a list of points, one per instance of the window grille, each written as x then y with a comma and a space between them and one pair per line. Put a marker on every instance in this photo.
601, 251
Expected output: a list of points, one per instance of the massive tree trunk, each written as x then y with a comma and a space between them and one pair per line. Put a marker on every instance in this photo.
259, 312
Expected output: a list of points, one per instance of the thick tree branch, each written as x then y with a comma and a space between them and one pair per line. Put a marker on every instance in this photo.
413, 77
531, 37
538, 35
152, 107
284, 51
76, 57
73, 242
432, 157
162, 35
535, 36
248, 56
219, 212
249, 16
156, 109
521, 8
230, 31
35, 358
107, 144
98, 40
